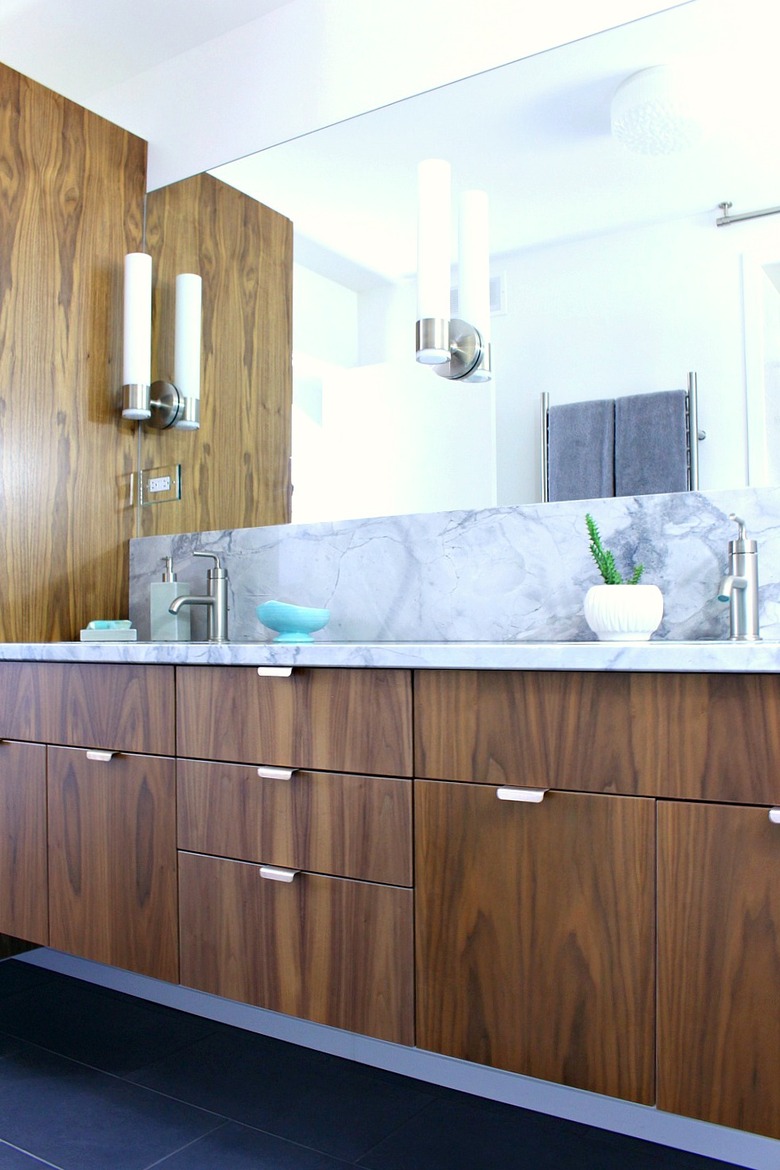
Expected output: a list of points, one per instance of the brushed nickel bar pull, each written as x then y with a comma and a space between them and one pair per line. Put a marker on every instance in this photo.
266, 772
275, 874
774, 816
526, 795
274, 671
101, 757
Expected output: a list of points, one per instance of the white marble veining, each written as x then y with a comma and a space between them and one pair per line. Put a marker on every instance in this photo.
497, 575
661, 655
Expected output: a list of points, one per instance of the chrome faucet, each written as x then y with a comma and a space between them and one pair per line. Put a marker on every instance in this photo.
739, 587
216, 599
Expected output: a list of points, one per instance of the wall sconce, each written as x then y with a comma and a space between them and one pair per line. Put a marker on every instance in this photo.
456, 349
161, 404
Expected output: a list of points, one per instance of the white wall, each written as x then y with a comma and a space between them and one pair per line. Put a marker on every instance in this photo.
630, 312
374, 433
314, 62
625, 313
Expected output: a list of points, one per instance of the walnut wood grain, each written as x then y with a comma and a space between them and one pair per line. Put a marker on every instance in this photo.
123, 707
326, 949
112, 860
650, 734
324, 719
535, 934
719, 965
329, 822
24, 911
71, 205
236, 468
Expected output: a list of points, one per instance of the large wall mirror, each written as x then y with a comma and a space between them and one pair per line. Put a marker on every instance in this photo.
609, 273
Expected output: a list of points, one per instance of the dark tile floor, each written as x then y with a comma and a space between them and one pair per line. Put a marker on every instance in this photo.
91, 1079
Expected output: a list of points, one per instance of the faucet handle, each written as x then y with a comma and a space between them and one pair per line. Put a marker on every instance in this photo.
217, 571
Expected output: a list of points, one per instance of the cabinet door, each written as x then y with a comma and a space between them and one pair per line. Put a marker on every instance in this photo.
112, 860
719, 965
327, 949
535, 934
24, 911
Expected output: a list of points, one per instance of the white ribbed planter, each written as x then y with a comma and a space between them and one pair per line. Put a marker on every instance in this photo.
624, 613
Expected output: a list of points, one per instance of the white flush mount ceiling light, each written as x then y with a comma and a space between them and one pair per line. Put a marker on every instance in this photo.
660, 110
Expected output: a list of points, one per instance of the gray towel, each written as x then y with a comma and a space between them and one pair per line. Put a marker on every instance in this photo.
581, 450
651, 450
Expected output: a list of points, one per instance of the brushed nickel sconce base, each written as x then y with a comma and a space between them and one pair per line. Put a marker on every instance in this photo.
167, 405
135, 401
469, 358
466, 351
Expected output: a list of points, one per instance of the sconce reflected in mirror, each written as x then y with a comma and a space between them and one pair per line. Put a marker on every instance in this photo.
162, 404
455, 348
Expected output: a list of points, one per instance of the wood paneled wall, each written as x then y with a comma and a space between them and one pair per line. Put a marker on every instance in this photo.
71, 204
236, 468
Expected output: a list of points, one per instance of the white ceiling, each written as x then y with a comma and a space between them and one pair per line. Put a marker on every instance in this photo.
536, 136
80, 47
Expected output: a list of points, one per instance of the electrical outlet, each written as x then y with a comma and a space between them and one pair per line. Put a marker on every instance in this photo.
161, 484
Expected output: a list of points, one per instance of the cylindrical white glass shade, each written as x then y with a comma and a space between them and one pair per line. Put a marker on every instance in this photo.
137, 320
186, 354
434, 219
474, 262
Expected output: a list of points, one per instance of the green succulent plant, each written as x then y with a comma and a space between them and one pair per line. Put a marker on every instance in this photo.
605, 560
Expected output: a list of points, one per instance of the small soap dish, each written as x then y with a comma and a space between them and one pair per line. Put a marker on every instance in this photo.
292, 623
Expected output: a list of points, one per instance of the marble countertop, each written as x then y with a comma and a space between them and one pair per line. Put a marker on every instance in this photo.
655, 655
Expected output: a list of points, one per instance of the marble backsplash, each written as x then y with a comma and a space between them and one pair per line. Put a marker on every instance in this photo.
500, 574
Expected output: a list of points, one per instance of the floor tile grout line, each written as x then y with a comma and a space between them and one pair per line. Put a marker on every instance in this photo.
29, 1154
186, 1146
396, 1129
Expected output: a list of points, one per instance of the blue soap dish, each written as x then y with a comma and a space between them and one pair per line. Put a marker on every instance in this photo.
292, 623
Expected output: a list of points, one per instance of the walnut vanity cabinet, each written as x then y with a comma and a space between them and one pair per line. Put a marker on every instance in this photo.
24, 910
719, 964
535, 934
108, 792
295, 838
528, 923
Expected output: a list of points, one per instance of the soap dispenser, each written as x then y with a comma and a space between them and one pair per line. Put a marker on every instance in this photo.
165, 626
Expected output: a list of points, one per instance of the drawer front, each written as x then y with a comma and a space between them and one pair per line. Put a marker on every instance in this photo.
334, 823
337, 720
644, 734
119, 707
326, 949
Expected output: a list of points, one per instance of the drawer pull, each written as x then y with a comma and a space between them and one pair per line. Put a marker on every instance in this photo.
275, 874
526, 795
101, 757
774, 816
274, 671
266, 772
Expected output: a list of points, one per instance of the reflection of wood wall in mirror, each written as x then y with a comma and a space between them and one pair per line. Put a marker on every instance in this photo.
235, 469
71, 204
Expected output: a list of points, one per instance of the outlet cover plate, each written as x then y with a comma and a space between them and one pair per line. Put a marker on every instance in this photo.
159, 485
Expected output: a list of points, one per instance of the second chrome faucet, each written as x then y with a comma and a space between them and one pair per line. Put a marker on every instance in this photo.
739, 587
216, 599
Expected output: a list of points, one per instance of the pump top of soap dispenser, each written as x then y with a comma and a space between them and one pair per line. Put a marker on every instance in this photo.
742, 544
168, 573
